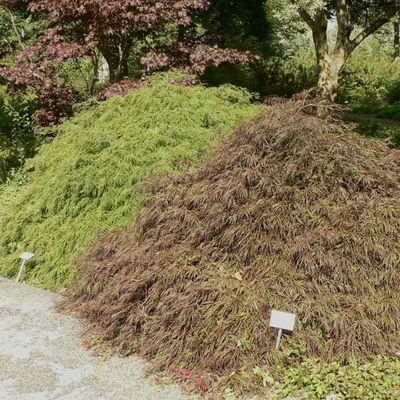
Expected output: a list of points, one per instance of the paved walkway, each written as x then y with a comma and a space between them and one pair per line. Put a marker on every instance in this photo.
42, 358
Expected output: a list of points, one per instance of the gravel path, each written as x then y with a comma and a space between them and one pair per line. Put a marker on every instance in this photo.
42, 358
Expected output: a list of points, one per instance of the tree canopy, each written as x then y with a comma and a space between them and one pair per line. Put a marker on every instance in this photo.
132, 38
356, 20
166, 34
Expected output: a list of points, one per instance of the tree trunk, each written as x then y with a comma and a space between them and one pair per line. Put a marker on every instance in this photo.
330, 63
396, 42
329, 69
117, 59
103, 71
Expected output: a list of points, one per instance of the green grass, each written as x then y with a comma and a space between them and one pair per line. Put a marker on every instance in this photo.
371, 125
391, 111
82, 183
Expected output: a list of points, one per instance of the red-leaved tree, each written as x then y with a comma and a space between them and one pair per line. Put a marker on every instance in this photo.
36, 69
166, 32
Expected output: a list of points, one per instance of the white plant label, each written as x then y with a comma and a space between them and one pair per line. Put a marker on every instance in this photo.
283, 321
26, 256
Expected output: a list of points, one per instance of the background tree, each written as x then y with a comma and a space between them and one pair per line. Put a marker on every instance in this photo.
18, 30
166, 28
166, 34
17, 139
356, 20
244, 25
37, 69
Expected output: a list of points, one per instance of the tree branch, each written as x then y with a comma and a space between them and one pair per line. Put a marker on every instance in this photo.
306, 17
15, 28
373, 27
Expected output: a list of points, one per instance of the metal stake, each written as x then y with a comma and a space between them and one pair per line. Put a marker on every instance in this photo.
21, 270
278, 339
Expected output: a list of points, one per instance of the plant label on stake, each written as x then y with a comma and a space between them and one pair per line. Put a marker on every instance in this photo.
25, 256
283, 321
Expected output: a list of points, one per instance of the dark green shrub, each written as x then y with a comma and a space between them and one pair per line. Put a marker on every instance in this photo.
292, 75
370, 84
17, 139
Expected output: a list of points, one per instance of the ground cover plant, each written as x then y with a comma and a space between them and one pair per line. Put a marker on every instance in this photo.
372, 125
82, 182
292, 212
376, 380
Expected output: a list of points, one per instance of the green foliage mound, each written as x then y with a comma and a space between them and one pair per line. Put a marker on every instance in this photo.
82, 182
